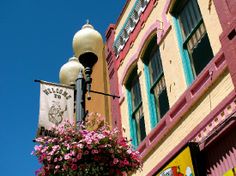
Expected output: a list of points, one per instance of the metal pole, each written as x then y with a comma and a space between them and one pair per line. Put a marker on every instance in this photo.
88, 81
80, 97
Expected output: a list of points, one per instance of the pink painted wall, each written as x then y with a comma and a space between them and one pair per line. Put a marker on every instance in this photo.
226, 10
220, 156
112, 72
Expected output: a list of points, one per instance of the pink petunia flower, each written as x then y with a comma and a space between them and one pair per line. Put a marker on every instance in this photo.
74, 167
94, 151
67, 156
80, 146
115, 161
79, 156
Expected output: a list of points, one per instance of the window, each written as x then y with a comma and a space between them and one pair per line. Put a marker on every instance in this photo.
136, 16
121, 41
194, 35
143, 3
136, 109
131, 23
126, 36
157, 86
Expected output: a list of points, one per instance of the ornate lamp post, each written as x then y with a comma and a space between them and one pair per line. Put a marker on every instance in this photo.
72, 154
88, 47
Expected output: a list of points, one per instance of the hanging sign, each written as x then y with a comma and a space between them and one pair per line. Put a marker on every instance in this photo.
56, 106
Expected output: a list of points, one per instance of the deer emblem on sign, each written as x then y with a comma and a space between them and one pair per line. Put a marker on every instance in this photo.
55, 113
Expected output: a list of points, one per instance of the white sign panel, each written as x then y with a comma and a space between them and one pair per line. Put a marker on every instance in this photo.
56, 106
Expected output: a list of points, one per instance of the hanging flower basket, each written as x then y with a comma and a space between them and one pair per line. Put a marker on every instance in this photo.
73, 152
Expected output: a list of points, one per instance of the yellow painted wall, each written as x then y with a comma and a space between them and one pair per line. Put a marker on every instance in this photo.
144, 96
219, 90
173, 67
121, 71
172, 64
125, 118
100, 103
212, 24
175, 80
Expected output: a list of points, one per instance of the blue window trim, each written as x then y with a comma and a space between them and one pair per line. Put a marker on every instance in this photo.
188, 73
132, 121
157, 80
151, 99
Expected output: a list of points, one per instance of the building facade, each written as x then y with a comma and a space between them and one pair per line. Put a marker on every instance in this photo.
173, 63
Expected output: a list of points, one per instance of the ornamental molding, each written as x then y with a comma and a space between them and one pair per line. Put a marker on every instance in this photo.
129, 25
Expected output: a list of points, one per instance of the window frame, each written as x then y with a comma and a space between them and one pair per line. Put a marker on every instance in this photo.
192, 33
154, 108
188, 61
135, 134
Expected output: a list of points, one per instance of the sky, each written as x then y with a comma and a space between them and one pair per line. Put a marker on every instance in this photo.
35, 41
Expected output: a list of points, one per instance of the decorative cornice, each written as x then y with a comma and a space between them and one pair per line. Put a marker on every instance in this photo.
222, 107
140, 18
129, 25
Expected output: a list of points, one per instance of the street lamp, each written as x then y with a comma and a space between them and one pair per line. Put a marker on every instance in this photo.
88, 47
69, 71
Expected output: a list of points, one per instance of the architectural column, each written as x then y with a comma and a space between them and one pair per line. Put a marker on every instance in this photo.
226, 10
113, 77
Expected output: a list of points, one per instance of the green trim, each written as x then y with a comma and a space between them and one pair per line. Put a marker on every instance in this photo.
189, 76
151, 99
136, 108
148, 50
132, 124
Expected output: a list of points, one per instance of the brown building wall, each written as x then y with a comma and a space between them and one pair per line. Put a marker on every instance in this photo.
100, 103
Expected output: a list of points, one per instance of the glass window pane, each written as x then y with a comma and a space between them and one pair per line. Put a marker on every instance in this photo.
135, 93
161, 98
201, 54
155, 66
142, 128
189, 20
196, 37
193, 11
157, 79
136, 109
196, 10
189, 17
163, 103
140, 124
198, 45
184, 24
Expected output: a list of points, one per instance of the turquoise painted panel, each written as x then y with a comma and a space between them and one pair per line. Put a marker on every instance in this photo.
184, 54
151, 99
132, 122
